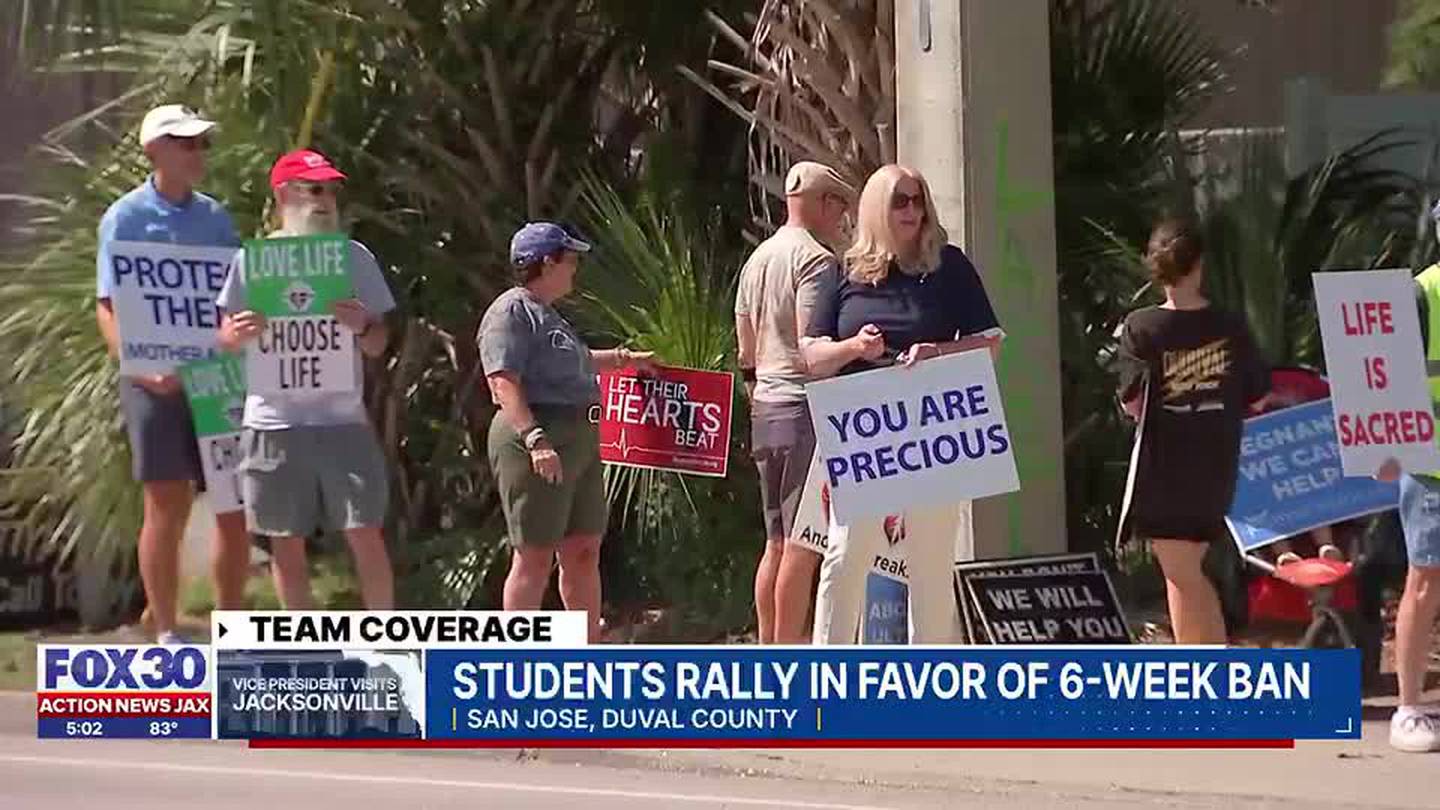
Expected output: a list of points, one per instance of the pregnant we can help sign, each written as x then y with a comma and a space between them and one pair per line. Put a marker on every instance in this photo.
294, 282
898, 438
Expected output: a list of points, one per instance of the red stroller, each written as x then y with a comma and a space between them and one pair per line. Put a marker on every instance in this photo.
1314, 591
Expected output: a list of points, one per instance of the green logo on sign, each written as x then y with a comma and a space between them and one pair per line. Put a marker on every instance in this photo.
297, 275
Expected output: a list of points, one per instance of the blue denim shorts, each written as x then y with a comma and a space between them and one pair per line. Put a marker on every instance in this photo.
1420, 516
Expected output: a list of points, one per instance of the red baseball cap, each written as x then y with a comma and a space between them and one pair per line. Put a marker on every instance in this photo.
303, 164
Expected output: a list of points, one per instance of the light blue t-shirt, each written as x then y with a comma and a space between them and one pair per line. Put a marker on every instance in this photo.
281, 411
144, 215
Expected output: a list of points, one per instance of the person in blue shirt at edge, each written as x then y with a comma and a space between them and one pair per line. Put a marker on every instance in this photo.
166, 455
1416, 727
906, 296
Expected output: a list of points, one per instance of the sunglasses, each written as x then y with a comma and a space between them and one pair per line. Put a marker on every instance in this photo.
316, 190
200, 143
900, 202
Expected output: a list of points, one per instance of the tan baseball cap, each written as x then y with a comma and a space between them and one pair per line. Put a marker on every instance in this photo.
808, 177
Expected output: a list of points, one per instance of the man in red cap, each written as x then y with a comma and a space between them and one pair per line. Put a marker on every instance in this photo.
312, 459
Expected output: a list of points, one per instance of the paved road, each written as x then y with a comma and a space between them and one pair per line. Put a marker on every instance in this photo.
185, 775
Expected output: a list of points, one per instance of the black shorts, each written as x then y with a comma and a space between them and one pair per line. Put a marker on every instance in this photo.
1180, 527
163, 446
782, 442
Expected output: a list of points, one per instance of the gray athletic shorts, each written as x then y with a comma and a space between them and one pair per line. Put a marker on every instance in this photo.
162, 435
299, 479
782, 442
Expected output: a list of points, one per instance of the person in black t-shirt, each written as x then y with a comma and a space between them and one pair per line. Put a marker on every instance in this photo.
1189, 373
906, 296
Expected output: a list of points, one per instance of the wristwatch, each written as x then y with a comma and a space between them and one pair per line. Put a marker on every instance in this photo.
533, 437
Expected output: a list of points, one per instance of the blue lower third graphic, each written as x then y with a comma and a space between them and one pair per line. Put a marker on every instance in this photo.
898, 696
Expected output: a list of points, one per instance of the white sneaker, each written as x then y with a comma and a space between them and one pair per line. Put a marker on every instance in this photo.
170, 638
1415, 732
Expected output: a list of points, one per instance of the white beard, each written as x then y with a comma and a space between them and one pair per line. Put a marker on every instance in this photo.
302, 220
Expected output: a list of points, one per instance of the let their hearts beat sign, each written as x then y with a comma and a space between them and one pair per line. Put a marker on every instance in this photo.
895, 439
216, 389
163, 297
1371, 331
294, 282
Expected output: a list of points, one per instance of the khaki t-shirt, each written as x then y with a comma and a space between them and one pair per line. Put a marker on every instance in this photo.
779, 287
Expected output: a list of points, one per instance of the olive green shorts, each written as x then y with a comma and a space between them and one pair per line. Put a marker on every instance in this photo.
538, 513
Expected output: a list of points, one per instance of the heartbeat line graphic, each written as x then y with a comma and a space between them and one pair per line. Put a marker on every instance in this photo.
623, 445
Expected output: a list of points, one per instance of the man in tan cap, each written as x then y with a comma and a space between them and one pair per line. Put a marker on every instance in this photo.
779, 287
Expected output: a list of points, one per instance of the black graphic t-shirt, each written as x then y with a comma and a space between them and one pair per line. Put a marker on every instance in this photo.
1202, 372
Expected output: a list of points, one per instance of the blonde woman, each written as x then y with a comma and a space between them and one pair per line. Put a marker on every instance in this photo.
907, 296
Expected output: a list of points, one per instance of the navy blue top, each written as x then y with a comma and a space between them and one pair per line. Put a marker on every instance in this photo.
940, 306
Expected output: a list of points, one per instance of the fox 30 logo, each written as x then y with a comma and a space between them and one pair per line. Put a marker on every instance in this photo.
119, 668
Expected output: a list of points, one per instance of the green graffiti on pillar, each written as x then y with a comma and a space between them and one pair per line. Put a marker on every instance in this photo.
1015, 282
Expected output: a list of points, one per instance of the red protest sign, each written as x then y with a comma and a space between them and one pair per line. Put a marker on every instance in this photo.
677, 419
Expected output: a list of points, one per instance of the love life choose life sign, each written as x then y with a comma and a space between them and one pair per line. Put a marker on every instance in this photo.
1371, 332
163, 297
216, 390
898, 438
294, 282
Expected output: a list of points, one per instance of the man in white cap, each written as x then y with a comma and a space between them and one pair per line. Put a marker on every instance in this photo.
167, 208
779, 287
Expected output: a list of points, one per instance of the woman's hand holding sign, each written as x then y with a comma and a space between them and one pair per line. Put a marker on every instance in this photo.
159, 384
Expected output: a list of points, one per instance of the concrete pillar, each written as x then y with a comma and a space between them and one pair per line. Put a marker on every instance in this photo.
973, 101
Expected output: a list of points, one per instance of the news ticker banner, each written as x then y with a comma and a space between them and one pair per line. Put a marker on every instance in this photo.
502, 680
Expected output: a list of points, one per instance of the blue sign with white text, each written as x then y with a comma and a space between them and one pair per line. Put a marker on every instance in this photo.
914, 696
887, 610
1290, 480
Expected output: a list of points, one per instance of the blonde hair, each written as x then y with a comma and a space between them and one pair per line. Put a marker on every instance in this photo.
874, 248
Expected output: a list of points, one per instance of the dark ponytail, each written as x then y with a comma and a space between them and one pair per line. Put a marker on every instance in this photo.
1174, 251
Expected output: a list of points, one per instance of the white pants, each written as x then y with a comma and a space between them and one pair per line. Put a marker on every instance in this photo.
929, 549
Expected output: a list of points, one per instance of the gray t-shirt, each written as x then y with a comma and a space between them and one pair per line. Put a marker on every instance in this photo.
525, 336
281, 411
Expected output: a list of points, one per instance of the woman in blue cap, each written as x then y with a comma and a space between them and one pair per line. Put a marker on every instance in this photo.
542, 446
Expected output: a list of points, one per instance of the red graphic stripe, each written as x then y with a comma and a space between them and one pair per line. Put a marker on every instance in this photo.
783, 744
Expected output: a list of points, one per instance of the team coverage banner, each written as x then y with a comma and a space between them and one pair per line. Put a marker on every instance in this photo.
898, 438
294, 282
216, 389
164, 301
676, 419
1291, 479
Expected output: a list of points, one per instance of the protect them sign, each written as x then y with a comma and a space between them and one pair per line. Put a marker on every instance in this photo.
1290, 478
1376, 365
898, 438
164, 301
677, 419
1055, 599
216, 389
294, 282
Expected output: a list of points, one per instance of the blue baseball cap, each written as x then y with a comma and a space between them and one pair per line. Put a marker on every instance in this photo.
538, 240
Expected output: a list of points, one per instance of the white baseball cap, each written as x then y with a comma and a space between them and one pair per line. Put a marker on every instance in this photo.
173, 119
